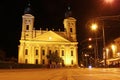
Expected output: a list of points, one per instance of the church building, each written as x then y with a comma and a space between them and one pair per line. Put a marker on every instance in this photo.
35, 45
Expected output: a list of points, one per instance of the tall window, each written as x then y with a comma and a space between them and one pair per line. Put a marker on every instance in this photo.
71, 61
27, 27
49, 51
43, 52
56, 52
62, 52
43, 61
36, 52
26, 51
26, 61
71, 52
71, 30
62, 62
36, 61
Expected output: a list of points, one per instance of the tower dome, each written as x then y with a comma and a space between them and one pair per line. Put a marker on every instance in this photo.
28, 9
68, 12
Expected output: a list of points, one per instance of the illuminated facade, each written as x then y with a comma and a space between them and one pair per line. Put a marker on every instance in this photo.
36, 44
113, 53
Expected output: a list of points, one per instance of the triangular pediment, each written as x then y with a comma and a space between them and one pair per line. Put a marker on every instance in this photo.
51, 36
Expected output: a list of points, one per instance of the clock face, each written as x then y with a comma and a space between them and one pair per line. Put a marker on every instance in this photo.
27, 21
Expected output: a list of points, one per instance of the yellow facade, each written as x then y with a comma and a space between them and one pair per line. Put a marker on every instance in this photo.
36, 44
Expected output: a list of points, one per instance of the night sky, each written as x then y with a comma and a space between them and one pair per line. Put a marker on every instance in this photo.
50, 14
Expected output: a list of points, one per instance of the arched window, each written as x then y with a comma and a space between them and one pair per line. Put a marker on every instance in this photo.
26, 51
71, 30
50, 51
71, 52
36, 52
26, 61
27, 27
62, 52
36, 61
71, 61
43, 52
43, 61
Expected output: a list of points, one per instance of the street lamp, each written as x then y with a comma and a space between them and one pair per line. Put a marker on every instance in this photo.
86, 56
89, 39
109, 1
90, 46
94, 27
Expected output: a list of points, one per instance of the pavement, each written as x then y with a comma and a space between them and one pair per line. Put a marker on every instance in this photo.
61, 74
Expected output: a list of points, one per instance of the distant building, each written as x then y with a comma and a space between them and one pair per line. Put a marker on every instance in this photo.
36, 44
113, 53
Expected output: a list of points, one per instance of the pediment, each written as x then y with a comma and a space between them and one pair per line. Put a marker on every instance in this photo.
51, 36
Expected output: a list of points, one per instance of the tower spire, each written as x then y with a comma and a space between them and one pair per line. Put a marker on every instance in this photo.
28, 8
68, 12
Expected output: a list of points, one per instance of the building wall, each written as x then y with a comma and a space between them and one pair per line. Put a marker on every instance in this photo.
35, 52
113, 52
33, 48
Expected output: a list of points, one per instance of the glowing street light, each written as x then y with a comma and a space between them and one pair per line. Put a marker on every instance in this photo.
89, 39
109, 1
90, 46
94, 27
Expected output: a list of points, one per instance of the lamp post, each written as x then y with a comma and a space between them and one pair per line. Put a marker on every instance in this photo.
86, 56
102, 18
94, 28
104, 50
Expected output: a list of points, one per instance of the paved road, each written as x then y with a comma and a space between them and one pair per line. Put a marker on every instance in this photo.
60, 74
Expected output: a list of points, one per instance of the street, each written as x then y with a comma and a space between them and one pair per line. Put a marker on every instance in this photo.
61, 74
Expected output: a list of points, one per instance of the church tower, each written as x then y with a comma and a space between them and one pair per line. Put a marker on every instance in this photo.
27, 23
70, 25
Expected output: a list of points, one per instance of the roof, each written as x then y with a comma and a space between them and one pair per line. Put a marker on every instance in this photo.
51, 36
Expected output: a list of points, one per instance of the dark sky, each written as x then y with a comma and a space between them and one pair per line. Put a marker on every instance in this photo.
49, 13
